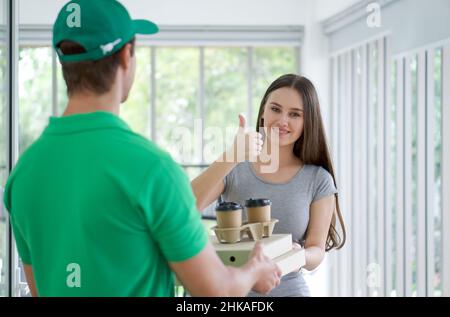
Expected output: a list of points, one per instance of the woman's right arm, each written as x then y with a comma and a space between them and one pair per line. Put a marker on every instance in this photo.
209, 185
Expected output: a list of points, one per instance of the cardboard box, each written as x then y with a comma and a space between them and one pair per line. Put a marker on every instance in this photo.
291, 261
277, 247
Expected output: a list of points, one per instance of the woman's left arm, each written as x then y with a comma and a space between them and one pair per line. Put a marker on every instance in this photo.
321, 213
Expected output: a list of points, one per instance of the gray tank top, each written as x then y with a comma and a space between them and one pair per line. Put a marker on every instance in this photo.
291, 202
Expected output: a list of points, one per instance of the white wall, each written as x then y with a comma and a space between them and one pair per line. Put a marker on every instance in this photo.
411, 24
195, 12
314, 59
315, 50
327, 8
192, 12
39, 12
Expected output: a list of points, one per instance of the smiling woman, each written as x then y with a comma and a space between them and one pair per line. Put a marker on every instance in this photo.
302, 187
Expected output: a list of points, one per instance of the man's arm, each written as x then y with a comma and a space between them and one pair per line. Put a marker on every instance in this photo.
30, 279
206, 275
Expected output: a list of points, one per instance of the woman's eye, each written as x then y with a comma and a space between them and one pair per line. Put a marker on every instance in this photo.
295, 114
275, 109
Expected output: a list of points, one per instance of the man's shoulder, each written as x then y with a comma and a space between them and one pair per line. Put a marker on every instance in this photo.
137, 144
144, 149
30, 154
26, 158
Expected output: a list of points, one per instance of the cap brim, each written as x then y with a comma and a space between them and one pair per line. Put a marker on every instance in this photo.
145, 27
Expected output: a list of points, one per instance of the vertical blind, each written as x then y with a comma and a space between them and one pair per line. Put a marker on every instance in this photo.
389, 146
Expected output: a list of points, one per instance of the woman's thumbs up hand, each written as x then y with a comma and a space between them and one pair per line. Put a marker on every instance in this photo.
247, 146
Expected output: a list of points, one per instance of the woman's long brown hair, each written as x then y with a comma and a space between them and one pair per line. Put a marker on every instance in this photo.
311, 148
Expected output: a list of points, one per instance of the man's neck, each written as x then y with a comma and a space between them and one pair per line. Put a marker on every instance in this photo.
88, 102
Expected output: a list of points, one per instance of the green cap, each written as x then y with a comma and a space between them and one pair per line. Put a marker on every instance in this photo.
101, 27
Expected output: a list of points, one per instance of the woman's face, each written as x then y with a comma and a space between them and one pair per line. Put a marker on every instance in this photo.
284, 110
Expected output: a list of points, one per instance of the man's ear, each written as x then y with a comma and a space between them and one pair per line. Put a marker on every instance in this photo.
125, 56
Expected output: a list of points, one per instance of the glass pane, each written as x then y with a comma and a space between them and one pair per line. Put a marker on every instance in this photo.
393, 153
226, 95
3, 149
192, 173
414, 83
438, 173
35, 98
359, 144
177, 77
269, 63
373, 154
136, 110
62, 90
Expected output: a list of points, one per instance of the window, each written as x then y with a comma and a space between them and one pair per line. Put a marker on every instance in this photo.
226, 91
177, 92
177, 95
393, 181
35, 98
135, 109
436, 218
403, 174
358, 150
269, 64
374, 260
197, 91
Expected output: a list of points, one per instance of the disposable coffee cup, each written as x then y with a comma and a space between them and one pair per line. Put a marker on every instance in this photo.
258, 210
229, 215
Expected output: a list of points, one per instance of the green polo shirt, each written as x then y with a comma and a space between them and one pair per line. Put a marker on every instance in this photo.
98, 210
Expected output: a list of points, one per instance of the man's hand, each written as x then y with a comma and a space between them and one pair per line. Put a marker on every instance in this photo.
268, 272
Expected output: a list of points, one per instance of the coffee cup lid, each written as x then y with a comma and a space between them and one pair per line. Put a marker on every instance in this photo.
261, 202
228, 206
